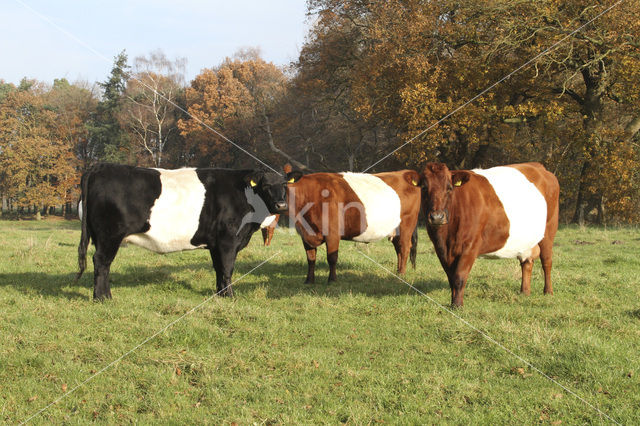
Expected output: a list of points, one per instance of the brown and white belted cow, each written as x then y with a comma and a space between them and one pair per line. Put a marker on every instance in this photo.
329, 207
501, 212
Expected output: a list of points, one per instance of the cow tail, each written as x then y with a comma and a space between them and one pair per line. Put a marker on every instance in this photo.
84, 235
414, 247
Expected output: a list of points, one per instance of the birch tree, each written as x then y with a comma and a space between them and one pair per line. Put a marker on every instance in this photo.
150, 112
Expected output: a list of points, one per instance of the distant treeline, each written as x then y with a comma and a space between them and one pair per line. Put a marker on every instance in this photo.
370, 77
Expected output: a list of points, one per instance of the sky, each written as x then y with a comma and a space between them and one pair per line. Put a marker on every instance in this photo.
77, 40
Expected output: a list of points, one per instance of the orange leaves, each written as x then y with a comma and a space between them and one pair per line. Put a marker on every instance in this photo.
36, 160
406, 64
234, 99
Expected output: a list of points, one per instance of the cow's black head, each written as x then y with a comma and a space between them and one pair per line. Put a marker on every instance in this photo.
271, 187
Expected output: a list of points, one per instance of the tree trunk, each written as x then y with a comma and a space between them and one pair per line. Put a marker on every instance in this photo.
592, 108
160, 144
632, 127
581, 204
273, 146
601, 217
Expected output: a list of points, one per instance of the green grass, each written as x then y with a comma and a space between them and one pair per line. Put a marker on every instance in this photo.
363, 350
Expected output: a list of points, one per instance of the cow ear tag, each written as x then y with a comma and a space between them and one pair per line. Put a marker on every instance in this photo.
252, 183
458, 183
414, 182
291, 180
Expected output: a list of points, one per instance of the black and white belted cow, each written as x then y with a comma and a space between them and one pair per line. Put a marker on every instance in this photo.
172, 210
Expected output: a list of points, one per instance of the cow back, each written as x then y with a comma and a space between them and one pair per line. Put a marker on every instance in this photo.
525, 208
380, 205
175, 215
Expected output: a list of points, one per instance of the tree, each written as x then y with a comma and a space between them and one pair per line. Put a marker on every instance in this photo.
265, 87
238, 99
408, 63
73, 105
108, 140
37, 167
331, 72
5, 89
150, 111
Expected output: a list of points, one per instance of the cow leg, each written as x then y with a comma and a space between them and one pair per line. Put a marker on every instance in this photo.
458, 278
402, 244
270, 231
546, 252
396, 245
333, 244
267, 234
527, 267
106, 250
224, 259
311, 263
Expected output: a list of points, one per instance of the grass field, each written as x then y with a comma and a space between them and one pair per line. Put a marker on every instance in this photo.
366, 349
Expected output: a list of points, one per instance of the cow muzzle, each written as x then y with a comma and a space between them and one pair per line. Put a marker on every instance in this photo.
437, 218
281, 206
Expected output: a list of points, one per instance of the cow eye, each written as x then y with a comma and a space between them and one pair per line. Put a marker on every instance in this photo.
449, 187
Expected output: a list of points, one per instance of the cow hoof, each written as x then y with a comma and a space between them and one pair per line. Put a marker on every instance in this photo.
227, 292
101, 298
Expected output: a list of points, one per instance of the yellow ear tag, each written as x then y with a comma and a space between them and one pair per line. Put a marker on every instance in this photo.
458, 183
252, 183
414, 182
291, 180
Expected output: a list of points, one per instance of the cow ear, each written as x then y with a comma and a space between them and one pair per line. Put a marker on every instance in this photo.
459, 177
253, 178
294, 176
412, 177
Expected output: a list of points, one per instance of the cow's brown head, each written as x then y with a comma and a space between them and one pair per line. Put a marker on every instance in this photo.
438, 185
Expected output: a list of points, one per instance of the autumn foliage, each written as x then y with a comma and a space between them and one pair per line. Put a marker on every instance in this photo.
471, 84
237, 99
37, 160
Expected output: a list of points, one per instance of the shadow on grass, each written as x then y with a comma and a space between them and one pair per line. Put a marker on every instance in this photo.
30, 283
284, 280
65, 285
634, 314
280, 280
